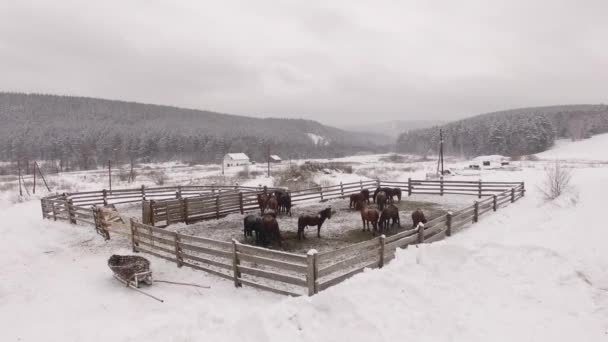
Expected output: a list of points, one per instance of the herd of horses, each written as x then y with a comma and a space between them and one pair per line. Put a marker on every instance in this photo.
382, 218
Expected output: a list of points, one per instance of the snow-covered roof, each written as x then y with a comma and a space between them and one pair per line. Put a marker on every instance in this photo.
236, 156
275, 157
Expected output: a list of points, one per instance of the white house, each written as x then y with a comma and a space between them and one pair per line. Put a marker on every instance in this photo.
235, 159
275, 159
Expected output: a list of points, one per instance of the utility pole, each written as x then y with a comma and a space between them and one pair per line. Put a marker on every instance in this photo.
110, 174
19, 168
268, 159
441, 148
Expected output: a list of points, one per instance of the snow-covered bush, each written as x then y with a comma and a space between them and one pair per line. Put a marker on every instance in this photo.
557, 180
159, 177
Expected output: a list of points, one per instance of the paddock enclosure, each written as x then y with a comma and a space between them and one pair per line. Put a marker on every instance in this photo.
290, 273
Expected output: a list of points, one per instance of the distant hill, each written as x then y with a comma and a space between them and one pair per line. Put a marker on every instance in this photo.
88, 131
511, 132
392, 129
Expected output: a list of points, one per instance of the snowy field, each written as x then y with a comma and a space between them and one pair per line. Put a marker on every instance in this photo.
534, 271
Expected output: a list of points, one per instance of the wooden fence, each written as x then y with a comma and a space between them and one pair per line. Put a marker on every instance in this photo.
276, 271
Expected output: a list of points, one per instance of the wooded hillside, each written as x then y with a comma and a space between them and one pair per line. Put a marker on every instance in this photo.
511, 133
85, 132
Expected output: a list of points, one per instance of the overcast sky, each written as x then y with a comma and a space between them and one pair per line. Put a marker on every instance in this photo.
335, 61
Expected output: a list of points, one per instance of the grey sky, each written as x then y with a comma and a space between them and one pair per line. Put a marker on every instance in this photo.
331, 61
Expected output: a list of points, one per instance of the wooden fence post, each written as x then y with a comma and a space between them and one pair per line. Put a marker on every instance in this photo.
341, 190
42, 206
479, 188
409, 187
105, 196
441, 186
523, 189
321, 192
235, 265
217, 207
178, 251
71, 214
512, 195
382, 244
475, 212
133, 238
167, 217
420, 232
448, 223
494, 202
241, 206
377, 183
143, 193
178, 193
54, 211
183, 203
152, 213
311, 271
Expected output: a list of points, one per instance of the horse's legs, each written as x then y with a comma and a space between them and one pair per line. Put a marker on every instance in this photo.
319, 231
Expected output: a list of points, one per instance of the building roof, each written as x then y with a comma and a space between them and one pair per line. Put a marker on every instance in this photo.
275, 157
236, 156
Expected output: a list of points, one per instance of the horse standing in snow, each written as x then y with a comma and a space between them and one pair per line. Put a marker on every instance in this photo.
272, 204
308, 220
391, 212
418, 217
369, 216
381, 199
269, 229
252, 223
355, 199
262, 202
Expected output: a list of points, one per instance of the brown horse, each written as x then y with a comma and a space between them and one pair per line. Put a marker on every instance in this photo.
308, 220
365, 193
418, 217
369, 216
381, 199
391, 212
262, 202
284, 199
269, 230
354, 199
272, 204
387, 191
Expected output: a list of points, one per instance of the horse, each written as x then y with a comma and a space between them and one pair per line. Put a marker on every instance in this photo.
381, 199
369, 215
308, 220
396, 192
269, 229
252, 223
354, 199
387, 191
418, 217
272, 204
365, 193
284, 200
262, 201
390, 212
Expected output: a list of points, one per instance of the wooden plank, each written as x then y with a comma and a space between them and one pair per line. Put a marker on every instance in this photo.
216, 243
151, 252
267, 288
208, 270
227, 266
402, 242
341, 278
348, 263
272, 275
435, 237
156, 247
206, 250
272, 262
264, 252
144, 234
330, 255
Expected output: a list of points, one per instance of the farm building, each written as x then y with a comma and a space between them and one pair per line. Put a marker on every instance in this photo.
275, 159
236, 159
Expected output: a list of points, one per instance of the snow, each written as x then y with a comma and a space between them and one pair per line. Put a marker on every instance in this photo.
317, 139
592, 149
533, 271
492, 157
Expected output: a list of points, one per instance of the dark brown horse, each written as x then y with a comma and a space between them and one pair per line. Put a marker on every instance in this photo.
369, 215
387, 191
396, 192
381, 199
354, 199
365, 193
269, 229
284, 199
391, 212
262, 202
308, 220
272, 204
252, 223
418, 217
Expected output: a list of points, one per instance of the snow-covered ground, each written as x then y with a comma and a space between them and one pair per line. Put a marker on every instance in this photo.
592, 149
534, 271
